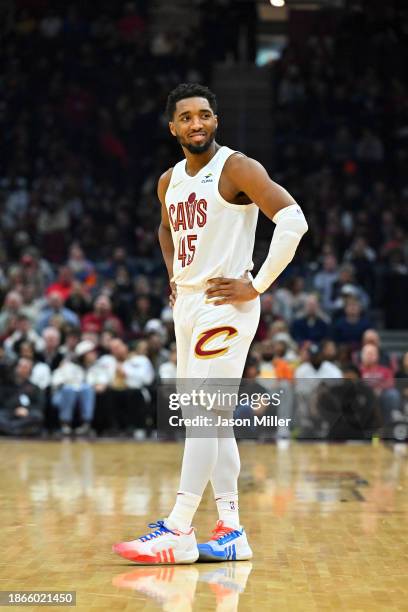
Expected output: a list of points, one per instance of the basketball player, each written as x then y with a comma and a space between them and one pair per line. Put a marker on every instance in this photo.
210, 203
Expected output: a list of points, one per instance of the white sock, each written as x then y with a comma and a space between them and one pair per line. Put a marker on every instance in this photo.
184, 509
228, 510
225, 478
199, 459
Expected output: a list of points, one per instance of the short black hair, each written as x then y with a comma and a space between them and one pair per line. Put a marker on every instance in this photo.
351, 367
189, 90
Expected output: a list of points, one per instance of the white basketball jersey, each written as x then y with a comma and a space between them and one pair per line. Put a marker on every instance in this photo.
211, 236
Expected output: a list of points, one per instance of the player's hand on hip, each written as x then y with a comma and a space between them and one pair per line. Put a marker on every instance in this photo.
230, 290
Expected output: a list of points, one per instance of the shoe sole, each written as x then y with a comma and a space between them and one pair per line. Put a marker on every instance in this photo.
206, 554
158, 559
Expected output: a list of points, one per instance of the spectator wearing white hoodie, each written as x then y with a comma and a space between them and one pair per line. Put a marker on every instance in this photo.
71, 386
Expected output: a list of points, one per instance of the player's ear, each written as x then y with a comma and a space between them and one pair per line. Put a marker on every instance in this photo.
172, 128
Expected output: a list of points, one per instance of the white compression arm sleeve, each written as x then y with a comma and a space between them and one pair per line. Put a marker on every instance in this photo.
290, 227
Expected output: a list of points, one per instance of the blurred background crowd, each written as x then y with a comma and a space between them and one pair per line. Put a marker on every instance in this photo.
86, 331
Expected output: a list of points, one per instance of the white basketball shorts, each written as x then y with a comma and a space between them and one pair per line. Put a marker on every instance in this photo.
213, 341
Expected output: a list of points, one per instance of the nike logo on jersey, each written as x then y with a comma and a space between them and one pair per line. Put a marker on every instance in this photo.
177, 184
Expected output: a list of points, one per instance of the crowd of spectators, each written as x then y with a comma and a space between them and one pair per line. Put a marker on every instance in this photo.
85, 328
341, 117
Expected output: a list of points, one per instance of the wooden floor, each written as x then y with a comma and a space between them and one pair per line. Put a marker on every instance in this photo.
328, 525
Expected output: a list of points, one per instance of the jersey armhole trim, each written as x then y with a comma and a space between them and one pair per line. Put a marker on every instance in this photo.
239, 207
169, 185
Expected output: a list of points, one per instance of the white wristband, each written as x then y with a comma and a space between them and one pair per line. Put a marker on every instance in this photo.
290, 227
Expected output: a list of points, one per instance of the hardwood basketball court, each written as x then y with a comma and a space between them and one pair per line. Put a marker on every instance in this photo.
327, 523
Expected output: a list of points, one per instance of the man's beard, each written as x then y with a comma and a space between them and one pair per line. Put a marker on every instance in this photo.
201, 148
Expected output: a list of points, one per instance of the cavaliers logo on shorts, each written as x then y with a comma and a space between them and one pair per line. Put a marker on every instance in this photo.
200, 350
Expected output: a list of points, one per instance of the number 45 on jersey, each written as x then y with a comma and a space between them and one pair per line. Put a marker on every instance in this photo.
186, 250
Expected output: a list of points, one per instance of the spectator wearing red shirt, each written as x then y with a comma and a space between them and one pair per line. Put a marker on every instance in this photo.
102, 318
111, 144
78, 106
63, 284
131, 24
381, 379
371, 336
269, 314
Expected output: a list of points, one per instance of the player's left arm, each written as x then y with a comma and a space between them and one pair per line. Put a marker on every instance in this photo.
250, 177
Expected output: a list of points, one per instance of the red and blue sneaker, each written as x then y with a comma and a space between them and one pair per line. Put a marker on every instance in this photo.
226, 544
160, 547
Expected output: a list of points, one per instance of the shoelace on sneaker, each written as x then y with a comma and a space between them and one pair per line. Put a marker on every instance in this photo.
160, 528
221, 531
